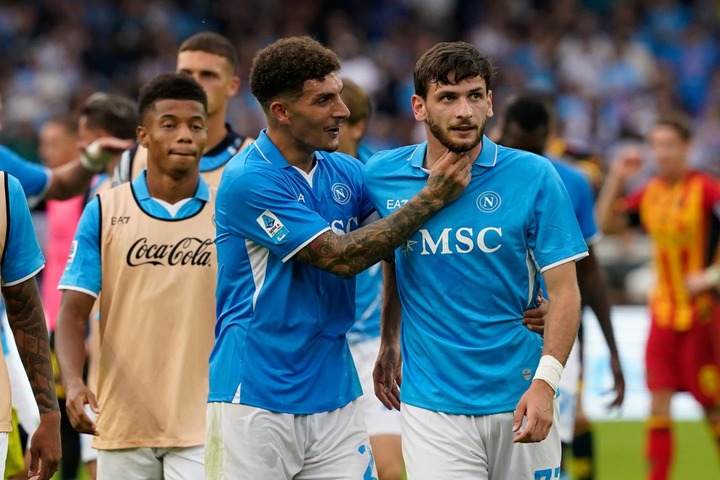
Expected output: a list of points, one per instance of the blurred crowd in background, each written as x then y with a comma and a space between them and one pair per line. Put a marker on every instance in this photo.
610, 66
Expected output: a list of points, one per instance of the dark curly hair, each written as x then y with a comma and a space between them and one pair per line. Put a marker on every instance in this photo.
282, 67
170, 86
449, 63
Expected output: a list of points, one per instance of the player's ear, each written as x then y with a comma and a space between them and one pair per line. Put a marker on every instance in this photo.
490, 104
280, 112
233, 86
418, 108
142, 136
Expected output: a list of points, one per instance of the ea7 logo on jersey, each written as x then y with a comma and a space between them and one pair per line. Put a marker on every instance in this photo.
488, 202
395, 203
272, 225
341, 193
119, 220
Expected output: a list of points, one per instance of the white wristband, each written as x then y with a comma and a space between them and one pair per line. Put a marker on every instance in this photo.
549, 370
94, 158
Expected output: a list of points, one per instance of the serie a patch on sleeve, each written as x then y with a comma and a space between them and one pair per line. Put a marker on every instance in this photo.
272, 225
73, 251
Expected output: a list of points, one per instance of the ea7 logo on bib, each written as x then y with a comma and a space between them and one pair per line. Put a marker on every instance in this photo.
488, 202
341, 193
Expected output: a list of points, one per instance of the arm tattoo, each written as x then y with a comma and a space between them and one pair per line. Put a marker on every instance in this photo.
27, 320
348, 255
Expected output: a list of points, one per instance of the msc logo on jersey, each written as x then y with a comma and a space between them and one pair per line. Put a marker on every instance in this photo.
340, 227
488, 202
461, 240
272, 226
341, 193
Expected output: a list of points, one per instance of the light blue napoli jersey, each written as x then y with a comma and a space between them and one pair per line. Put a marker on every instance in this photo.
368, 303
22, 258
281, 329
34, 178
467, 275
581, 196
83, 272
368, 291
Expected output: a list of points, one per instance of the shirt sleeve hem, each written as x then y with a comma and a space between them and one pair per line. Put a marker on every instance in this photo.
574, 258
21, 280
78, 289
304, 244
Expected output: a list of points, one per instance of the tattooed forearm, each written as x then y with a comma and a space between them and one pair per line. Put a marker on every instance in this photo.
348, 255
27, 321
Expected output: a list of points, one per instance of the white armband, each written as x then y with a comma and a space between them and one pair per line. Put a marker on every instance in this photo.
549, 370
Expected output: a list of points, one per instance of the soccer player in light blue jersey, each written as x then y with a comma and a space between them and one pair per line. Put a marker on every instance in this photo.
144, 250
283, 387
478, 388
527, 125
20, 260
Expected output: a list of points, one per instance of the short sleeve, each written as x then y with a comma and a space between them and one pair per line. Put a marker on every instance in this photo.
555, 236
83, 271
261, 207
585, 208
22, 257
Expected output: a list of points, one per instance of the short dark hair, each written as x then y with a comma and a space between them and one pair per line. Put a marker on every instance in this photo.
450, 63
113, 113
283, 67
357, 101
69, 121
529, 111
173, 86
214, 43
677, 121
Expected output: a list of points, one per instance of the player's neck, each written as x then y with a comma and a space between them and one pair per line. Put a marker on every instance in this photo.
172, 189
435, 150
216, 130
293, 152
675, 176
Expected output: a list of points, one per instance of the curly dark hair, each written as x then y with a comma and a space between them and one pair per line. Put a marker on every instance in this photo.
449, 63
282, 67
173, 86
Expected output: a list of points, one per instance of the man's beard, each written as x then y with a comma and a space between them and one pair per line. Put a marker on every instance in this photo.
457, 147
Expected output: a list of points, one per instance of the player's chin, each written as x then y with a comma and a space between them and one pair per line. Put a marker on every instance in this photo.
331, 146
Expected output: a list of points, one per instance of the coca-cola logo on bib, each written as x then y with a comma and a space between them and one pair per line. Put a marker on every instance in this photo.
188, 251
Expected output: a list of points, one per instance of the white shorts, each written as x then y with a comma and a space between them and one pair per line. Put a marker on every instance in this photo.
4, 438
461, 447
379, 420
569, 384
151, 464
244, 442
88, 453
